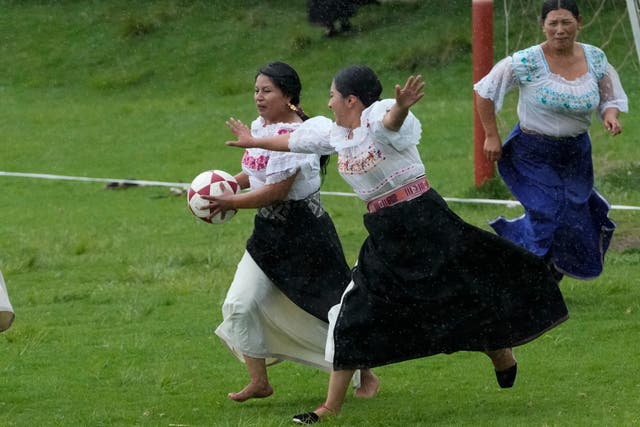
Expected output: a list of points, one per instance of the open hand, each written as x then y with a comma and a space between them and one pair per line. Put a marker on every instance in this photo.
411, 93
242, 133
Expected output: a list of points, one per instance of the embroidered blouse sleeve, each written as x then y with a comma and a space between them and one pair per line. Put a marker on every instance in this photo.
312, 136
283, 165
611, 92
500, 80
408, 135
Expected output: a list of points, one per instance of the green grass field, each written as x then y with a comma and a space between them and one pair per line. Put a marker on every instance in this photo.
117, 292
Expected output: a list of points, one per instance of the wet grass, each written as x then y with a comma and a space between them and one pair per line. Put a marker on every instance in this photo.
117, 292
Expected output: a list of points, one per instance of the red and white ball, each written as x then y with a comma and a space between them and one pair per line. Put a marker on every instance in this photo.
210, 183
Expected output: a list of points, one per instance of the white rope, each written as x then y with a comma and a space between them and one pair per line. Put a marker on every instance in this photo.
84, 178
143, 183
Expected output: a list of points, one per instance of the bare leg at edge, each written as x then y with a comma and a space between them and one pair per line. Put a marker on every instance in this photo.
369, 384
258, 386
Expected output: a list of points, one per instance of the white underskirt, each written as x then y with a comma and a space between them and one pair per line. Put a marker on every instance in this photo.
6, 310
261, 322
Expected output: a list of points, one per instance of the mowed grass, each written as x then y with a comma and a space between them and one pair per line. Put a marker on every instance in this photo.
118, 292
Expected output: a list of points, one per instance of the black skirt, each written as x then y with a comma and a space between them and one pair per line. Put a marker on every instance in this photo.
427, 283
326, 12
296, 244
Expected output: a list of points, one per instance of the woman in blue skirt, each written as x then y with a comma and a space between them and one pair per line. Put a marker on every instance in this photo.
546, 160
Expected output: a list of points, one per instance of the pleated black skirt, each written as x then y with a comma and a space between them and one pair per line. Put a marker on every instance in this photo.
427, 283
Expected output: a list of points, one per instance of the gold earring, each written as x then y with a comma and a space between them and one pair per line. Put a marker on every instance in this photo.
292, 107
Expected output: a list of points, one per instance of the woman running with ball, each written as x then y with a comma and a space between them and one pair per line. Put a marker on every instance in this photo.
293, 269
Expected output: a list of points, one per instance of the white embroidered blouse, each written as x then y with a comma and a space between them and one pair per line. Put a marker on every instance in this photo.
548, 103
374, 160
268, 167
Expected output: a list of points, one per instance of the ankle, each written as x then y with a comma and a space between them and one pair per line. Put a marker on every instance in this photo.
325, 409
262, 383
502, 358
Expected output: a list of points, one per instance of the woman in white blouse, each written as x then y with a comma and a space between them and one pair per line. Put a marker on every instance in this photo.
426, 282
546, 160
293, 269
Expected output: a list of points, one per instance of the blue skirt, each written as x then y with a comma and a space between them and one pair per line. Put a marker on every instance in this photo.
566, 220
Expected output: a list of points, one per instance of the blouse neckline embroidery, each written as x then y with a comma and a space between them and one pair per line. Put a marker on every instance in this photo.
578, 80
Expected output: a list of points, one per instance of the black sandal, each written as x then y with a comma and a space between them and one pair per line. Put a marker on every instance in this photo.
311, 417
306, 418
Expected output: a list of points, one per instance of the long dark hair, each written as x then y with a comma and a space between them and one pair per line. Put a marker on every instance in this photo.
287, 80
360, 81
551, 5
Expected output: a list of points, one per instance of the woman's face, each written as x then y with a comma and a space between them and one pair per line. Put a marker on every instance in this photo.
561, 28
338, 104
272, 104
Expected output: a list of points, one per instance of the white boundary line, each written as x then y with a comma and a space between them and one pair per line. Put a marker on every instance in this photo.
143, 183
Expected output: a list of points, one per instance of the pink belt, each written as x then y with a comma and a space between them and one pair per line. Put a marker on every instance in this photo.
408, 191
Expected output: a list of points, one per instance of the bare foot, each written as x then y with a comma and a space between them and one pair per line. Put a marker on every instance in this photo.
252, 391
502, 359
369, 384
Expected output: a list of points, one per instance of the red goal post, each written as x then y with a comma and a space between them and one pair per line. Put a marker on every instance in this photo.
482, 57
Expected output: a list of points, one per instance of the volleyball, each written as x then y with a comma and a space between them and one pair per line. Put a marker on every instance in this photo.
210, 183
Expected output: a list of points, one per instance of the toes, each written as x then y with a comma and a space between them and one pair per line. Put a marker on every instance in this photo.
251, 393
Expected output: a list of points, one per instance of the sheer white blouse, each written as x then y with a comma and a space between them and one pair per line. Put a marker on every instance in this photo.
374, 160
269, 167
548, 103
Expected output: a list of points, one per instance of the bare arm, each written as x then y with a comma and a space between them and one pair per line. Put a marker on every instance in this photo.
244, 139
263, 196
406, 97
492, 143
242, 179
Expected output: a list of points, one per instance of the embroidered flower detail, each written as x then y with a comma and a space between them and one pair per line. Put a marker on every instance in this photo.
255, 163
360, 163
529, 68
284, 131
569, 101
597, 60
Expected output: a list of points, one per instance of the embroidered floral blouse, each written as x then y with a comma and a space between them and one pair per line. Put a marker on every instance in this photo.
375, 160
269, 167
548, 103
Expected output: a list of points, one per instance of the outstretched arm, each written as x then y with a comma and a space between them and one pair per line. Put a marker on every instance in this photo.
406, 97
244, 139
